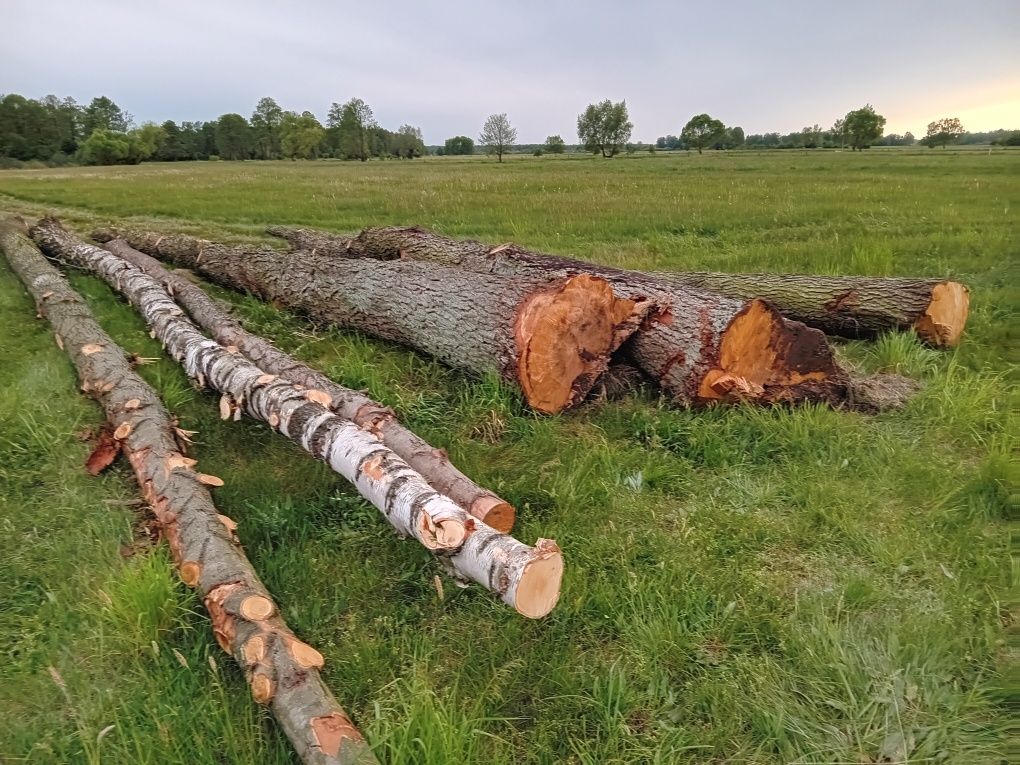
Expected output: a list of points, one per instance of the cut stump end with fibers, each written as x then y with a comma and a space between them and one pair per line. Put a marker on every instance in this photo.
946, 315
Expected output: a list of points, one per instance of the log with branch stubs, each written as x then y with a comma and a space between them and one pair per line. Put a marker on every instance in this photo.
701, 347
527, 578
551, 335
283, 671
432, 463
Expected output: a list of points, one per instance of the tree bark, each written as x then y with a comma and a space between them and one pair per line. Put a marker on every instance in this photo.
702, 347
852, 306
550, 335
283, 672
311, 240
432, 463
526, 578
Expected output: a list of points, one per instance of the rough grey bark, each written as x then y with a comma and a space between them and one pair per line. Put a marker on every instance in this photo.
702, 347
283, 671
311, 240
852, 306
432, 463
527, 578
552, 336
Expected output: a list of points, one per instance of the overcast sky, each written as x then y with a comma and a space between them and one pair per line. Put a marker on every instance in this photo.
445, 66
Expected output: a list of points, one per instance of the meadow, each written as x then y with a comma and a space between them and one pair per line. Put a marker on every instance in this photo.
742, 585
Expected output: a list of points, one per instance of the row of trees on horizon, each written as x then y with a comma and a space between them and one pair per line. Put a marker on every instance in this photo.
55, 132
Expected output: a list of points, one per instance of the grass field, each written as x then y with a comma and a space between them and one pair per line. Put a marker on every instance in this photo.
805, 586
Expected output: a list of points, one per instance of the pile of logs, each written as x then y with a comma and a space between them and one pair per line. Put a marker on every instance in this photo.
549, 325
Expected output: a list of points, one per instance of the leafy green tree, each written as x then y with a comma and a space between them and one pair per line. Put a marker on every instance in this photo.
459, 145
701, 131
233, 137
943, 132
301, 135
555, 145
172, 148
265, 122
145, 141
104, 114
604, 127
105, 147
407, 142
498, 135
354, 125
863, 127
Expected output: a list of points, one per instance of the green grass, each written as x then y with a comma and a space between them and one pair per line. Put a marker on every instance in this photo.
742, 585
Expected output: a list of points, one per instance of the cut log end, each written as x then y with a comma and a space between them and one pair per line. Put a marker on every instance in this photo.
539, 585
445, 534
564, 337
763, 356
494, 512
943, 321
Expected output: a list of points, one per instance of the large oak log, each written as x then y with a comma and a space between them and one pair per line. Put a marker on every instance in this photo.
851, 306
527, 578
432, 463
552, 335
282, 671
702, 347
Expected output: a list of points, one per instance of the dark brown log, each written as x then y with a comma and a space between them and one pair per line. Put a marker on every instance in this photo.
550, 334
283, 671
526, 578
702, 347
311, 240
432, 463
852, 306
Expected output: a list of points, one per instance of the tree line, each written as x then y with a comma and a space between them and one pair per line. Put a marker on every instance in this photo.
57, 131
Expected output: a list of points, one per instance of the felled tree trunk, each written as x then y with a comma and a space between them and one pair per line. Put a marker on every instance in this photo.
702, 347
852, 306
527, 578
550, 335
283, 672
431, 463
311, 240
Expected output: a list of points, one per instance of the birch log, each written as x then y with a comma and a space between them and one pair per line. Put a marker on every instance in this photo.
702, 347
283, 672
552, 336
432, 463
527, 578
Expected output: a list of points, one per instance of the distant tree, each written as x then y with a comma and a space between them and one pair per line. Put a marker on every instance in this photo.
943, 132
172, 148
838, 133
667, 142
104, 114
354, 128
407, 142
701, 131
908, 139
233, 137
604, 127
863, 127
498, 135
105, 147
301, 135
145, 141
459, 145
736, 136
555, 145
266, 122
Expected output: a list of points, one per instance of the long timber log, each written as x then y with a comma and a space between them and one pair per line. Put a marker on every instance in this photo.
701, 347
551, 335
526, 578
432, 463
282, 671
